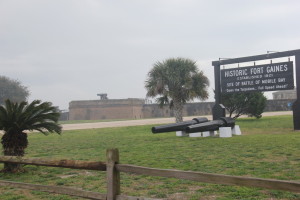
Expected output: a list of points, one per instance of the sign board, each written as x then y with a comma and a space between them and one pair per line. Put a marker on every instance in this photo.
269, 77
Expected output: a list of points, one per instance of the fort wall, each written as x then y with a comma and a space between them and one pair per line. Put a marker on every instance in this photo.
136, 109
106, 109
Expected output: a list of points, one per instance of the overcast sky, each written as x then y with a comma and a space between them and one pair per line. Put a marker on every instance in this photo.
65, 50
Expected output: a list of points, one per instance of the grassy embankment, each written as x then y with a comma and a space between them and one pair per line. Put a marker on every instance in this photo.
268, 148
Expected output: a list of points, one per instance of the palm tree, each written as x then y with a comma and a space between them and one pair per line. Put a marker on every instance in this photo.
16, 118
176, 81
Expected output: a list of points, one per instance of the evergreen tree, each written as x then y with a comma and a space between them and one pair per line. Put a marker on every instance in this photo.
248, 103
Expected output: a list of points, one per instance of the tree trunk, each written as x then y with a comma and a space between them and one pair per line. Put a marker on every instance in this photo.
14, 144
177, 109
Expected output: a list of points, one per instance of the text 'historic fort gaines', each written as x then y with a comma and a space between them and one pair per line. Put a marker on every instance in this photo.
270, 77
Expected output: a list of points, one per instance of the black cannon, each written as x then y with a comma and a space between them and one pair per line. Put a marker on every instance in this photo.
181, 126
211, 125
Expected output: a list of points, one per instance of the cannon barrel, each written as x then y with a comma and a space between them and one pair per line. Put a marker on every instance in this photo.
211, 125
178, 126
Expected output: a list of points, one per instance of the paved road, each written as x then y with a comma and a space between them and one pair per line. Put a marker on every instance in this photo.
144, 122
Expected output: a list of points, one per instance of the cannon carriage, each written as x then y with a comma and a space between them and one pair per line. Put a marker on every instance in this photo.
196, 125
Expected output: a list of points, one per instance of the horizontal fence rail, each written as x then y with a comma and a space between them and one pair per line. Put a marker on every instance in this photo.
113, 169
213, 178
73, 164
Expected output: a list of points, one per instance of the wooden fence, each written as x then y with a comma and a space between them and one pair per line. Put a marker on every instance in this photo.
113, 169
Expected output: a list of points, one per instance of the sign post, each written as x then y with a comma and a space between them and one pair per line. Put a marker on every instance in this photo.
218, 109
296, 104
268, 77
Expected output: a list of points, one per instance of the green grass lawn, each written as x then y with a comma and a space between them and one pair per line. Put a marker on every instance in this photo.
268, 148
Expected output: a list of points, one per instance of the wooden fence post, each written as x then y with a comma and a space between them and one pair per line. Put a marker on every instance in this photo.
113, 175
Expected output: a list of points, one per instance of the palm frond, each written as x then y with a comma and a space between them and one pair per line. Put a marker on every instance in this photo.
162, 101
49, 126
176, 80
22, 116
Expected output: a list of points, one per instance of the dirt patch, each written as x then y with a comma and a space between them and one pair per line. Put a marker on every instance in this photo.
84, 173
